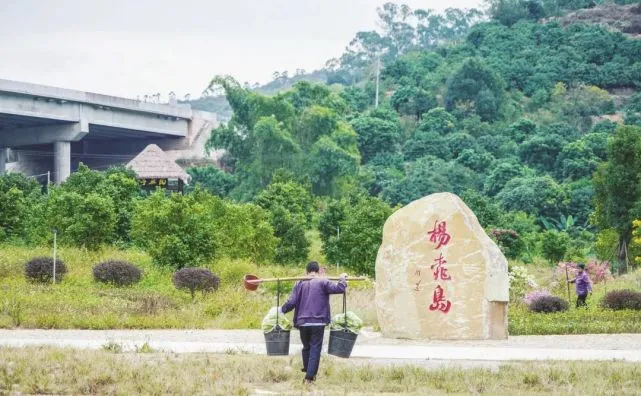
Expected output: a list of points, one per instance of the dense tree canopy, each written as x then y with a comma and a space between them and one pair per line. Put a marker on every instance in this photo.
517, 110
534, 121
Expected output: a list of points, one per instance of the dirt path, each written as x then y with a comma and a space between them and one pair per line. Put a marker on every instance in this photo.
370, 345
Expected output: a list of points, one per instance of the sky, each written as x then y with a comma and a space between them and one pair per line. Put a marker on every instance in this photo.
132, 48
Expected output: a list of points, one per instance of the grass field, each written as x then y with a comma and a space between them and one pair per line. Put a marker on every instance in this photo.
79, 302
68, 371
593, 320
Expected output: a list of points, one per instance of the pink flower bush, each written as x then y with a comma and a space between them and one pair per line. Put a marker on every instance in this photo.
599, 271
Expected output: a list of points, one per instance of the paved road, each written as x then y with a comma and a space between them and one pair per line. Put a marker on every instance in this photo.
370, 345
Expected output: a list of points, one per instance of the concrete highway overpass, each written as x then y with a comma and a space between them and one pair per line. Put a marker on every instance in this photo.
48, 129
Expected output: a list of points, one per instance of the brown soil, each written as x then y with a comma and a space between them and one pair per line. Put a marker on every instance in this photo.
625, 19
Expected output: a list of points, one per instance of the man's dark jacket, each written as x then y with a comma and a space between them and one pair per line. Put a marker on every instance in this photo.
310, 299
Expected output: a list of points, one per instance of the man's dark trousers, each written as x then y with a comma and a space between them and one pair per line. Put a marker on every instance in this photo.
312, 339
580, 300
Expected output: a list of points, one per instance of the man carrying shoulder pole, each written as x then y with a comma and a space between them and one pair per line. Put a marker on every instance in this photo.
310, 302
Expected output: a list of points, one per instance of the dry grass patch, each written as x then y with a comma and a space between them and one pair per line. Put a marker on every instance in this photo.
69, 371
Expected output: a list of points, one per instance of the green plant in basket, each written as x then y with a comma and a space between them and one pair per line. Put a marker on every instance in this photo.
270, 321
352, 323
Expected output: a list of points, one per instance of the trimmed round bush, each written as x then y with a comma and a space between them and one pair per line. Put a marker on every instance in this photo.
196, 279
548, 304
118, 273
40, 269
622, 299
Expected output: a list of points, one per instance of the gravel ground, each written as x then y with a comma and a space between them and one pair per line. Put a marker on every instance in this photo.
588, 341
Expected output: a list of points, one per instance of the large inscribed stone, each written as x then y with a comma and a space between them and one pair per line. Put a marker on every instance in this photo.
438, 275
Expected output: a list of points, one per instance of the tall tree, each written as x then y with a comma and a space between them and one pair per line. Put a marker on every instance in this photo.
475, 83
617, 188
376, 136
397, 25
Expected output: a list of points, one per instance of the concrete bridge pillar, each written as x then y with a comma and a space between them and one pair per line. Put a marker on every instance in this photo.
3, 160
61, 161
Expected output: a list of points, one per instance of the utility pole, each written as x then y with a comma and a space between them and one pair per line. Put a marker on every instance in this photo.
378, 77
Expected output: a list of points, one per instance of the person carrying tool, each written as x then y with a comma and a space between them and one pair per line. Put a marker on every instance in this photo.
583, 286
310, 302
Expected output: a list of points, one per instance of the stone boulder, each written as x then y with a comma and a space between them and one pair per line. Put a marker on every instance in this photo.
438, 274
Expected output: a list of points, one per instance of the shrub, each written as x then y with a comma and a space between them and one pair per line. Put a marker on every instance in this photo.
196, 279
181, 230
622, 299
520, 282
232, 272
82, 220
289, 228
509, 242
554, 245
177, 230
18, 196
290, 195
529, 298
361, 231
40, 269
598, 271
119, 273
548, 304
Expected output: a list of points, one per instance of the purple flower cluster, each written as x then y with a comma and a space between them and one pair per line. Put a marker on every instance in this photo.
535, 295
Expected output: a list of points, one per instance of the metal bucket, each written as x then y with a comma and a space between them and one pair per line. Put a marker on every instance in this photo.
341, 343
277, 342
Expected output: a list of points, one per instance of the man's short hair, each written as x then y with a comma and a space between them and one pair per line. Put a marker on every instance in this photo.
313, 266
582, 266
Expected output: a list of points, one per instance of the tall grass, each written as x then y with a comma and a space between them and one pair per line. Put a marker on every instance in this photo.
67, 371
79, 302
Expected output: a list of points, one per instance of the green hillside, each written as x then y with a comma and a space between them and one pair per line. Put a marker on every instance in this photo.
530, 114
514, 111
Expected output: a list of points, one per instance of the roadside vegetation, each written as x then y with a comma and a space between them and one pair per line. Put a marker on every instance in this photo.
38, 371
79, 301
592, 320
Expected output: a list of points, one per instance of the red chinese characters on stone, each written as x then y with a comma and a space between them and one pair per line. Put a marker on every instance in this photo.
439, 303
440, 272
439, 234
440, 237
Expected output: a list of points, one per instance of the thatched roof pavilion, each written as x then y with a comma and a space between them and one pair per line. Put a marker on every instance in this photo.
154, 168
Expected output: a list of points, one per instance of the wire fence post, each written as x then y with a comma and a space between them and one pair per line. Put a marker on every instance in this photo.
55, 235
567, 278
338, 233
